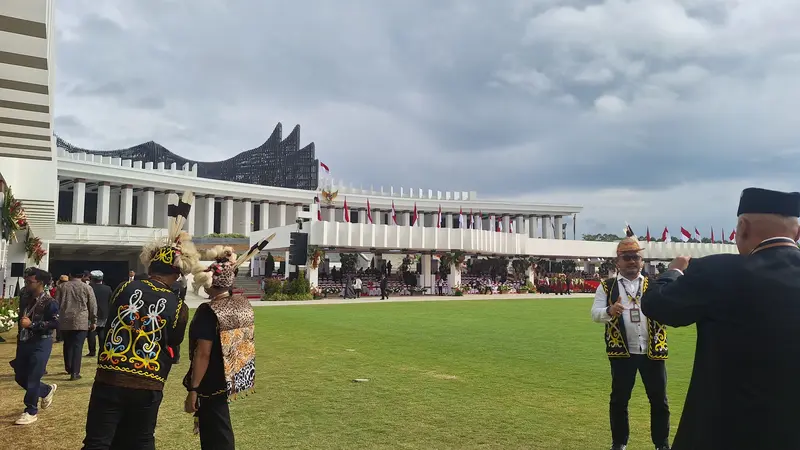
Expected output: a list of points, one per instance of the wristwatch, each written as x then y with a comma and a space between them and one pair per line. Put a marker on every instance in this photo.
192, 389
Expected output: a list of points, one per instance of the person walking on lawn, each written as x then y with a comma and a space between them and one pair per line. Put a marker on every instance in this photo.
38, 314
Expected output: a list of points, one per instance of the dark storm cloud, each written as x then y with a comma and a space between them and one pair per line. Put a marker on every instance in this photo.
511, 97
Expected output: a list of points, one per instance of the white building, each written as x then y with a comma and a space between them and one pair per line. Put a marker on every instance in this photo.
111, 207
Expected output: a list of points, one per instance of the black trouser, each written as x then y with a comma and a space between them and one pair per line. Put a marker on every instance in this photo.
121, 418
73, 349
214, 421
654, 377
98, 335
384, 294
29, 365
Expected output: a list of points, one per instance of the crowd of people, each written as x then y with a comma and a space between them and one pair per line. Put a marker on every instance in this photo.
743, 392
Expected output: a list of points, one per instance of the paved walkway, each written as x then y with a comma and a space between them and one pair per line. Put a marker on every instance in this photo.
195, 300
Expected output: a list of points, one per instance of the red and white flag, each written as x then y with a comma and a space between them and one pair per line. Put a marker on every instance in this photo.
461, 217
685, 235
369, 213
697, 235
712, 235
732, 238
647, 236
346, 211
480, 220
471, 219
498, 225
511, 226
439, 218
394, 214
665, 235
416, 215
319, 209
325, 167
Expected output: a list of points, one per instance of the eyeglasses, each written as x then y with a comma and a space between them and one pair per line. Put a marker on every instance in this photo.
631, 257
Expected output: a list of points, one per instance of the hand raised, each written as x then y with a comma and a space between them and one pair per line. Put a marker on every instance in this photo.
25, 322
680, 263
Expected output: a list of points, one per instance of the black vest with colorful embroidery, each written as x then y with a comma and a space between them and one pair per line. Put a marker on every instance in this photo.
616, 338
143, 315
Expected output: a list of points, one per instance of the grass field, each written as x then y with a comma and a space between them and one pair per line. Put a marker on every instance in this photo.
500, 374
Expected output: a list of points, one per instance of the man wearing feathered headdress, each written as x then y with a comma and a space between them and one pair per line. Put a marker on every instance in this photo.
147, 321
221, 348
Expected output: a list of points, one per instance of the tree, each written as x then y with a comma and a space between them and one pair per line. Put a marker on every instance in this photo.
602, 237
349, 261
607, 266
269, 265
568, 265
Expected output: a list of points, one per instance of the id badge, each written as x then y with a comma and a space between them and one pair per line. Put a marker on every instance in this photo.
635, 315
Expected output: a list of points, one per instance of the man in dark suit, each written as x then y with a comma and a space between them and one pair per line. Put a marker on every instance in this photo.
744, 392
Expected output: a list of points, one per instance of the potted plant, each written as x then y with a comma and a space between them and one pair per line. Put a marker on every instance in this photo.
315, 255
12, 216
34, 249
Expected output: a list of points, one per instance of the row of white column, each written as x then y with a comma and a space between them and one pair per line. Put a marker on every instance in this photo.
236, 215
550, 226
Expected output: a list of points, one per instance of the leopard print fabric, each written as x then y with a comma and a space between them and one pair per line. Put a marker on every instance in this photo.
237, 334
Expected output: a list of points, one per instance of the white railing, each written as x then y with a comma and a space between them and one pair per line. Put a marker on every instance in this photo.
101, 235
390, 237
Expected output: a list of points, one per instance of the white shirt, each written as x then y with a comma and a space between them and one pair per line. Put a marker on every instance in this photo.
636, 333
357, 283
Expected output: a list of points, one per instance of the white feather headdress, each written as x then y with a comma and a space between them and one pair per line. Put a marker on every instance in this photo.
176, 252
222, 272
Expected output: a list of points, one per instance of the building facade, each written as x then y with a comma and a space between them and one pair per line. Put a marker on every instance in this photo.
27, 158
277, 162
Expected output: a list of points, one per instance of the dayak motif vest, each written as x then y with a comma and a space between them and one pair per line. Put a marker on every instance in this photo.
616, 339
143, 315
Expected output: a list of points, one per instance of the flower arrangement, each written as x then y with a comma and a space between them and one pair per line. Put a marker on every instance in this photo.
459, 290
34, 249
504, 288
317, 293
9, 313
315, 255
336, 290
12, 216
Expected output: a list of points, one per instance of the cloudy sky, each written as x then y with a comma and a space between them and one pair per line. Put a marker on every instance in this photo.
655, 112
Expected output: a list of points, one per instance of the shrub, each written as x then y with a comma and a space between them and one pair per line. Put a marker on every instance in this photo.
297, 286
272, 286
281, 297
297, 289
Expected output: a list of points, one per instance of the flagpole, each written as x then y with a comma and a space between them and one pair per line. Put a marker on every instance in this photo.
574, 227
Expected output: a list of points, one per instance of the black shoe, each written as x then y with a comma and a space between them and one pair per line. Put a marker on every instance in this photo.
75, 377
89, 355
619, 446
663, 447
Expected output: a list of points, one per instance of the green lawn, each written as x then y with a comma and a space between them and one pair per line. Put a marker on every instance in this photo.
442, 375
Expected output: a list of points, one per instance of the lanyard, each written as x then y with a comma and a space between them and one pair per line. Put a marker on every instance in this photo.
29, 311
638, 292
